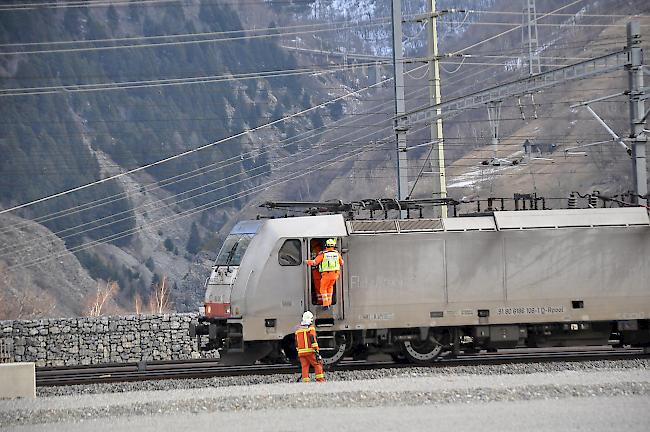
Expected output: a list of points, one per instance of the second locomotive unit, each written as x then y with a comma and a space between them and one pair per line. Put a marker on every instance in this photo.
419, 288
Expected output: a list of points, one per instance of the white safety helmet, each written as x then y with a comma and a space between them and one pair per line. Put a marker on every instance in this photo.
307, 318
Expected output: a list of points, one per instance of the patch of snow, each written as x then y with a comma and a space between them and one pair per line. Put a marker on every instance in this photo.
477, 176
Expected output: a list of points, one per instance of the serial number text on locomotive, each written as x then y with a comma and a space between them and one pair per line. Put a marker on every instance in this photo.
530, 310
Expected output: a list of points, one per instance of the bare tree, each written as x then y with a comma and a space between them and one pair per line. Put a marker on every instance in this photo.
5, 307
137, 303
159, 301
103, 294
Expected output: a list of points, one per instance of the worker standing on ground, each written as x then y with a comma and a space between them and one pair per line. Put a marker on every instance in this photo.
329, 264
307, 347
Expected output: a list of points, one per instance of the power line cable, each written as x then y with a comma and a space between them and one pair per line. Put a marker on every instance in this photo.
275, 30
185, 153
300, 113
488, 12
129, 85
346, 143
179, 43
515, 28
266, 186
160, 204
132, 3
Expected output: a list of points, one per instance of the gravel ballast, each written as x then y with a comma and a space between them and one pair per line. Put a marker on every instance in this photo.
445, 390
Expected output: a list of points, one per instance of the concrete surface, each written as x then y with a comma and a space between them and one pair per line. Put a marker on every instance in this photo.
596, 399
17, 380
629, 414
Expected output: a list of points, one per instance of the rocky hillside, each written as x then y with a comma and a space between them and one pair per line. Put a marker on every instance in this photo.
55, 287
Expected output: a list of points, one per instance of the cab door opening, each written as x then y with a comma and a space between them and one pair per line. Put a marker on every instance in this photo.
316, 245
333, 344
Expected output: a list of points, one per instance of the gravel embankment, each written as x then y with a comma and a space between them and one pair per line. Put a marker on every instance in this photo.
510, 369
582, 387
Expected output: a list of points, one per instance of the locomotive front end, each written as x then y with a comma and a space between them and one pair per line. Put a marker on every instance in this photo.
218, 307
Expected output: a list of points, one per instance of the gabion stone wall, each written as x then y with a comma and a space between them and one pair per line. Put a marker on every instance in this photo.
97, 340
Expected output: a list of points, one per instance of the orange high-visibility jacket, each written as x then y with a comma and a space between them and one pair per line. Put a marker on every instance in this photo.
321, 256
306, 342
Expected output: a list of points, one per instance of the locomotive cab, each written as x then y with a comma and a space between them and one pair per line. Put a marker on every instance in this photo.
218, 287
217, 309
260, 286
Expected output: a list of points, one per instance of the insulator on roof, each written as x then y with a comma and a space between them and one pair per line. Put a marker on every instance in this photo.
573, 201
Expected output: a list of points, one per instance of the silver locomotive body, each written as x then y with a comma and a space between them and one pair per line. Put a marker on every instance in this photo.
417, 288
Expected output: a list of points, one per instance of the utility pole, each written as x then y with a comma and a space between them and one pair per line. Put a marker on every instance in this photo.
400, 105
494, 117
637, 111
377, 73
438, 152
529, 37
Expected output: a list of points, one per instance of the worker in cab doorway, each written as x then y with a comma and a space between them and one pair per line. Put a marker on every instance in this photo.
307, 347
329, 264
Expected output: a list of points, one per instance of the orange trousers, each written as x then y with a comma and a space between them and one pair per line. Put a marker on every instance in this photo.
309, 359
327, 286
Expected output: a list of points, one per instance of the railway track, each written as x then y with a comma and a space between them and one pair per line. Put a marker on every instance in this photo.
206, 368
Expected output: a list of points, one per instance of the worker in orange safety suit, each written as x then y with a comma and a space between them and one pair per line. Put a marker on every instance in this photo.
316, 248
329, 264
307, 347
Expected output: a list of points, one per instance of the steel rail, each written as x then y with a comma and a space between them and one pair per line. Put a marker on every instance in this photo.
207, 368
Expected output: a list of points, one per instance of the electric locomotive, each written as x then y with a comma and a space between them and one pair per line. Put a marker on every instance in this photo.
421, 288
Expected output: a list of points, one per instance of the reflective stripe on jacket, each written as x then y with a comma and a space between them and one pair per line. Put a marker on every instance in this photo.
331, 261
306, 340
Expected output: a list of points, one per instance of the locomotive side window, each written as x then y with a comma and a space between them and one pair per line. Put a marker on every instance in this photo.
290, 253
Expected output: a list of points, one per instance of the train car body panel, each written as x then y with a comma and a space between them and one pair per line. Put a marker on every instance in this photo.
475, 268
583, 262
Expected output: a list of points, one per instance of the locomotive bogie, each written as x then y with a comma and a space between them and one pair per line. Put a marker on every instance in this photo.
418, 288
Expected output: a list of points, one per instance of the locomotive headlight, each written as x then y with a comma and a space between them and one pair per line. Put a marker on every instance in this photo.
208, 309
228, 310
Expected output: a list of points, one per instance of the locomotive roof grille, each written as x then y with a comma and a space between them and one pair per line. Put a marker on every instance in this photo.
373, 226
420, 225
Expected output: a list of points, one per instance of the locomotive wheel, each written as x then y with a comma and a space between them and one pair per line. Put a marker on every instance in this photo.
425, 351
337, 352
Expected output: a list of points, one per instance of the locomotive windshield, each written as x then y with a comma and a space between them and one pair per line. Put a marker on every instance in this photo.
233, 249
